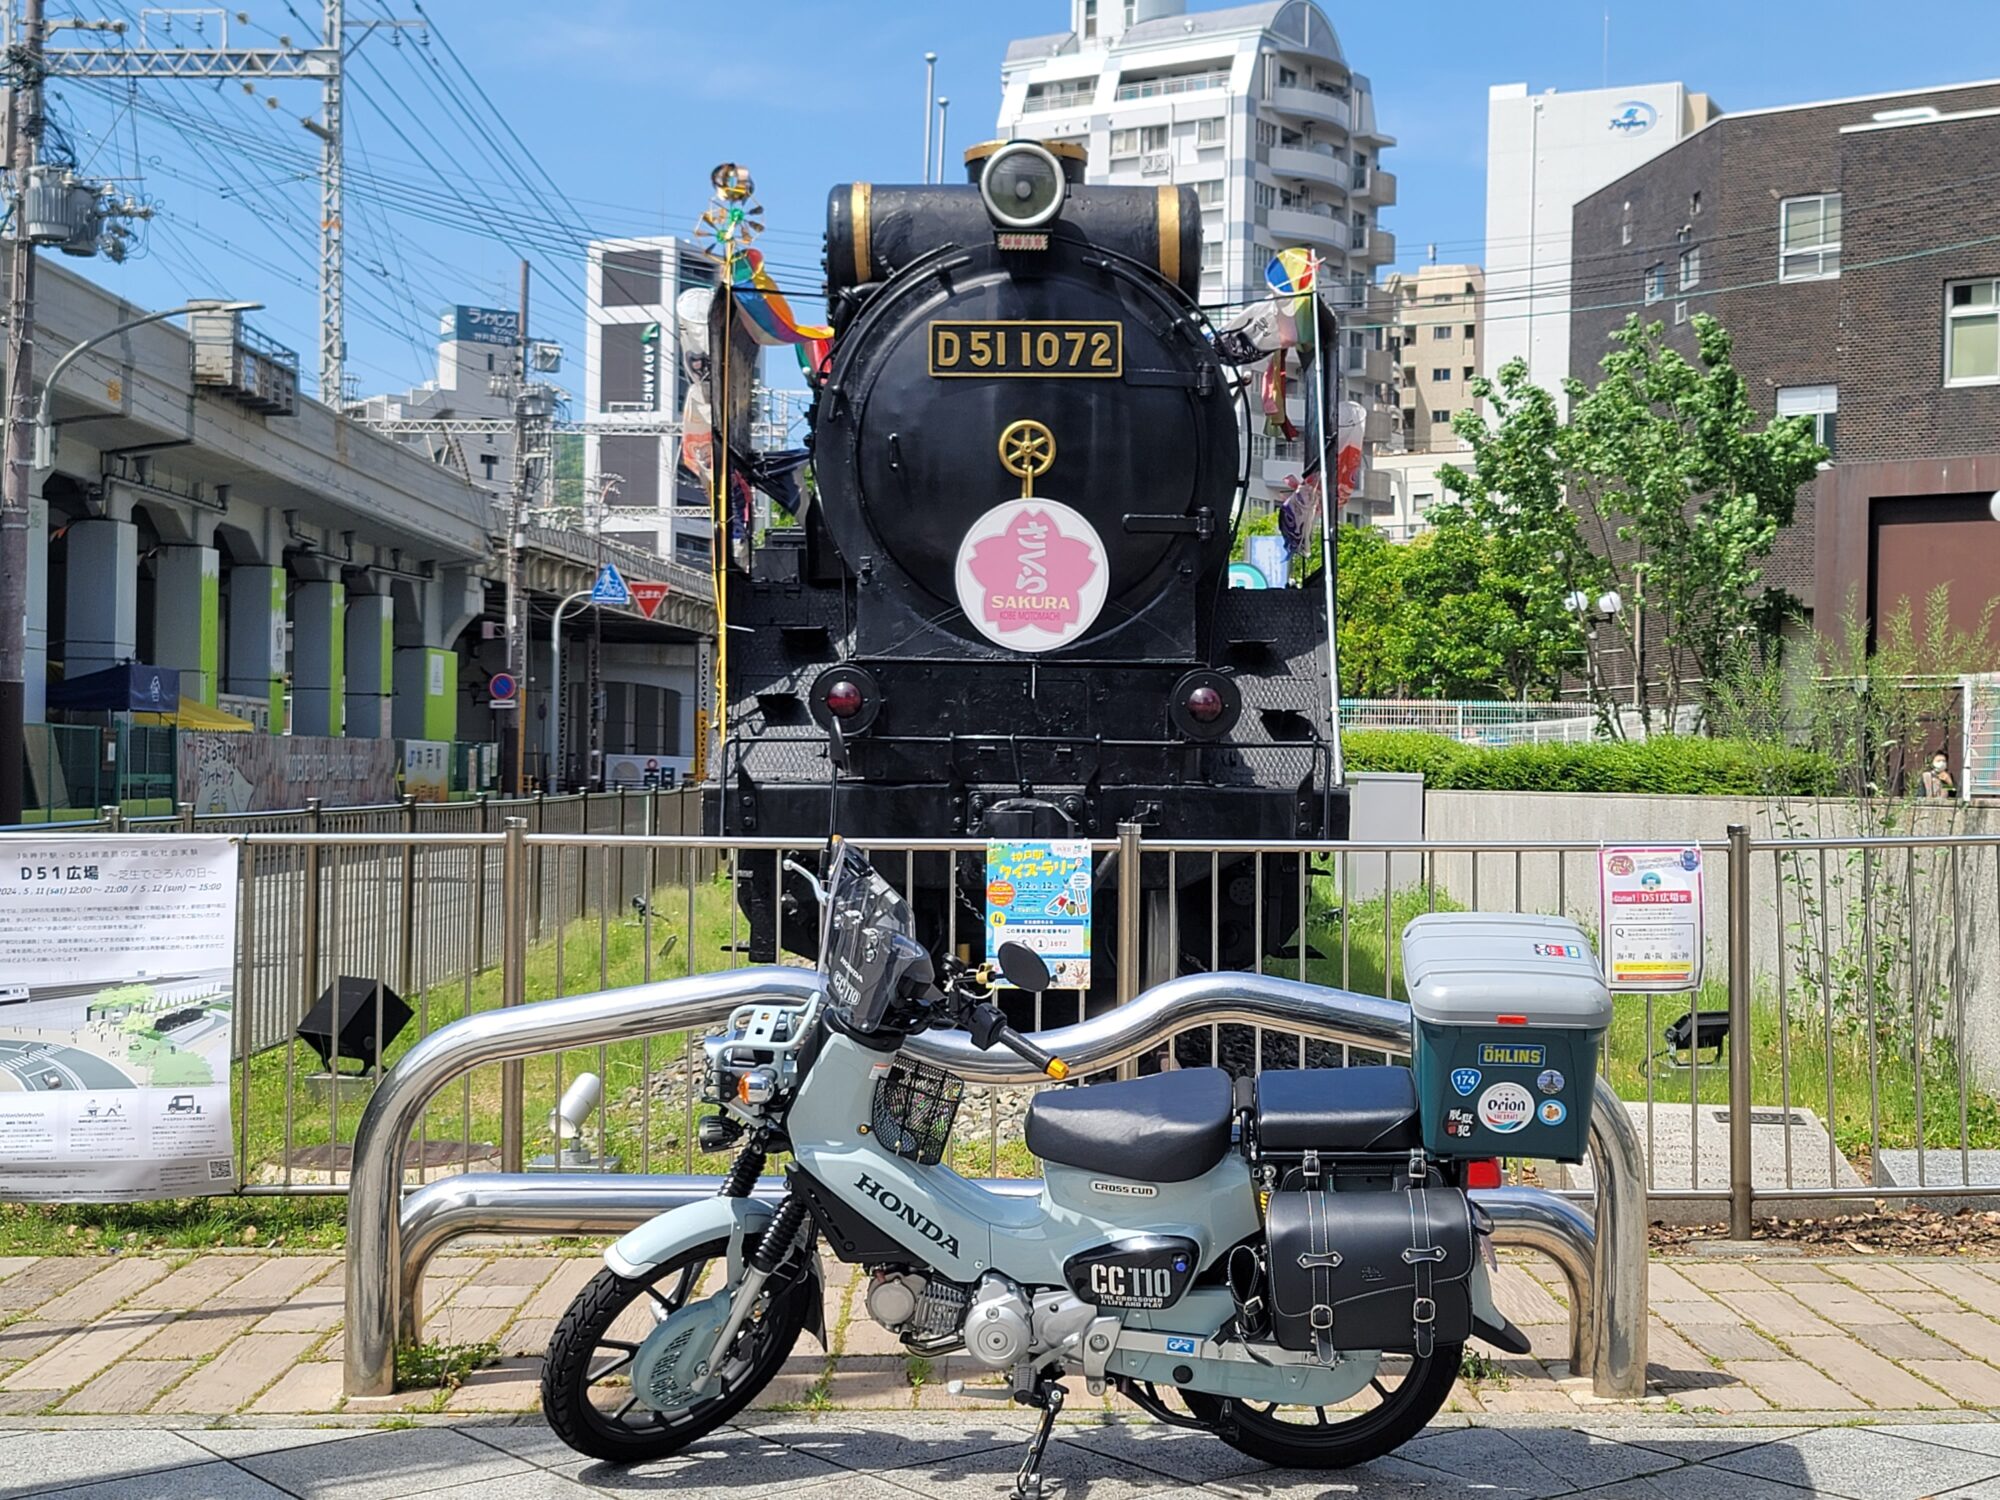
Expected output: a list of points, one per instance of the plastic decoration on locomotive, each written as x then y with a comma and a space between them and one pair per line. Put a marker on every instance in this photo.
1010, 592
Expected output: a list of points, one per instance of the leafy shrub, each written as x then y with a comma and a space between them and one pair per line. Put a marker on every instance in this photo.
1666, 765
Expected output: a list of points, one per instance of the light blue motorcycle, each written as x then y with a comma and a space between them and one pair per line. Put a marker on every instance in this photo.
1281, 1263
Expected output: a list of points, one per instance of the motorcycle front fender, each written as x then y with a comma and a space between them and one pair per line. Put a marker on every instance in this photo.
736, 1220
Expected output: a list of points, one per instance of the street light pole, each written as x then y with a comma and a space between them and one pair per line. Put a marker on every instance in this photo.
930, 83
944, 105
26, 132
550, 734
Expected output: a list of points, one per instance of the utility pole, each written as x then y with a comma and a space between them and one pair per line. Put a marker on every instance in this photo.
517, 604
25, 132
930, 87
332, 204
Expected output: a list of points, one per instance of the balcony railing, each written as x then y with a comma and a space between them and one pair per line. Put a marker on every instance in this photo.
1036, 104
1313, 104
1314, 163
1185, 83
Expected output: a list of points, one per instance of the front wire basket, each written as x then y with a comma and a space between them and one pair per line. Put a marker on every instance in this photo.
915, 1105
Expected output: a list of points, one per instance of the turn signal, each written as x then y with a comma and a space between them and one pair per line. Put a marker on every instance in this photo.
844, 699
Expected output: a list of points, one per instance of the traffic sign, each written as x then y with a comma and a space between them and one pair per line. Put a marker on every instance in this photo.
610, 587
500, 687
648, 596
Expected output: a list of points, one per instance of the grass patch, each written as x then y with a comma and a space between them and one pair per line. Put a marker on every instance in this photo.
440, 1366
178, 1224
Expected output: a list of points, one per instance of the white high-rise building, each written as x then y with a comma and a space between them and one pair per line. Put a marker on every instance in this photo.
632, 377
1545, 153
1257, 109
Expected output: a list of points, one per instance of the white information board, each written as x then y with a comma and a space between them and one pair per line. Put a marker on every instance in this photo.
1654, 930
117, 968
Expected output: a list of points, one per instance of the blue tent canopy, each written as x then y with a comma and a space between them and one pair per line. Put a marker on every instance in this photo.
132, 687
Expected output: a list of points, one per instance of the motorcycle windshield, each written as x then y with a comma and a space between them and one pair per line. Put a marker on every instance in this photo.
859, 954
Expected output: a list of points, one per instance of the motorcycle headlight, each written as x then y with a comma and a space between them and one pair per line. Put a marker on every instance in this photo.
1022, 186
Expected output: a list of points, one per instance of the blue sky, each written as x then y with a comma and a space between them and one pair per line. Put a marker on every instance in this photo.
628, 103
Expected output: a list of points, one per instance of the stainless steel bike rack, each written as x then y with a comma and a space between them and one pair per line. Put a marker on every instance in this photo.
390, 1238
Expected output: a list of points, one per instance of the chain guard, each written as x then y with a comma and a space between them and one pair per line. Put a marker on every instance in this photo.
670, 1371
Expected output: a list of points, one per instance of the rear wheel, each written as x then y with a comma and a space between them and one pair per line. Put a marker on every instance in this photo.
587, 1392
1401, 1400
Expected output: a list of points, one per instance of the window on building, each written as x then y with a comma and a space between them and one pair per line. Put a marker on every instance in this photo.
489, 364
1470, 372
1267, 134
1809, 237
1440, 372
1440, 298
1421, 499
1972, 333
1471, 330
1440, 331
1694, 204
1469, 290
1153, 138
1440, 415
1210, 132
1410, 333
1409, 419
1820, 402
1131, 11
1680, 312
1409, 374
1209, 194
1288, 78
1089, 20
1124, 143
490, 462
1625, 225
1656, 283
1690, 267
1267, 196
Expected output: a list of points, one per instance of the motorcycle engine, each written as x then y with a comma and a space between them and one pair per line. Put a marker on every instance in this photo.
999, 1323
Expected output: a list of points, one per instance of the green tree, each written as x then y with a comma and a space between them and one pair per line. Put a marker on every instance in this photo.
1673, 480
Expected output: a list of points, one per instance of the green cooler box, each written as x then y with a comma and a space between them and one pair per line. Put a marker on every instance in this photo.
1507, 1014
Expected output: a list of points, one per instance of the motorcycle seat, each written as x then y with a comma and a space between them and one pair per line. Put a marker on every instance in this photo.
1338, 1109
1170, 1127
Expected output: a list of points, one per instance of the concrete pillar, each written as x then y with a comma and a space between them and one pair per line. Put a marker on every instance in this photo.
426, 694
35, 702
257, 636
103, 613
187, 618
319, 659
371, 643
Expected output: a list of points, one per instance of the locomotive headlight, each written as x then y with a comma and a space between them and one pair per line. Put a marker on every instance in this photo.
1022, 186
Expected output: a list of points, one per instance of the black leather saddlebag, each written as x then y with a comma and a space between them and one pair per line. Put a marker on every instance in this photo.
1388, 1270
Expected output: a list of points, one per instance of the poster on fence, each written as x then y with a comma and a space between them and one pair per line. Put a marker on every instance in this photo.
1038, 894
1653, 931
245, 773
117, 966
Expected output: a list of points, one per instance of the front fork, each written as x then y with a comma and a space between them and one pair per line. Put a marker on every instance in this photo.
774, 1247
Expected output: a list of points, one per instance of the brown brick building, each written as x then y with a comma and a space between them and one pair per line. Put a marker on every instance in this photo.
1852, 250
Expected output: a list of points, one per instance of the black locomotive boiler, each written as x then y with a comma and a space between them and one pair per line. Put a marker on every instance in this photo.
1011, 591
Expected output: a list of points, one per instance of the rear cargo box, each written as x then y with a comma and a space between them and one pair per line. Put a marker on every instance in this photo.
1507, 1012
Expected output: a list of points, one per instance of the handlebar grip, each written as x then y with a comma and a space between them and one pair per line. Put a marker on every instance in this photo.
1054, 1067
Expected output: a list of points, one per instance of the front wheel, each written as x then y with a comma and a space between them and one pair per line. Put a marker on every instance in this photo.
587, 1392
1398, 1404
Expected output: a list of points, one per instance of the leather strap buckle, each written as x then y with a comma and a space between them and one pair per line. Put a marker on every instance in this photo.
1424, 1310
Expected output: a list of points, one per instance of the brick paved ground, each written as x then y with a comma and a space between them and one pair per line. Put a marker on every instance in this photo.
223, 1334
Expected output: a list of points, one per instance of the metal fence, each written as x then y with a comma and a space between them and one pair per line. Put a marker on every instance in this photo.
1474, 722
1854, 974
1979, 702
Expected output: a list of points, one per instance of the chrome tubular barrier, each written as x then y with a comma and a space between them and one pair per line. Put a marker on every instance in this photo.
1617, 1351
376, 1185
1606, 1267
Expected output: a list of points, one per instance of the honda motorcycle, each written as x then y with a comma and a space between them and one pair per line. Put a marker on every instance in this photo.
1279, 1262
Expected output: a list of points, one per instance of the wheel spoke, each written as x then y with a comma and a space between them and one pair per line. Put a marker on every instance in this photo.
1380, 1389
619, 1415
611, 1369
1320, 1413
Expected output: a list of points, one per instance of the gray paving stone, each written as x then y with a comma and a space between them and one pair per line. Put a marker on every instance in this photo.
384, 1465
38, 1462
532, 1484
740, 1465
212, 1481
247, 1442
1070, 1473
1192, 1456
1975, 1437
854, 1440
1540, 1462
1698, 1482
1694, 1445
1385, 1479
1862, 1463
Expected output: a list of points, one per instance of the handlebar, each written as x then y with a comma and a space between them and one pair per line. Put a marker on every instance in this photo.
1032, 1055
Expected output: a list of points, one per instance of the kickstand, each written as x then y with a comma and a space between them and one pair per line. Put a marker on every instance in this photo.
1028, 1483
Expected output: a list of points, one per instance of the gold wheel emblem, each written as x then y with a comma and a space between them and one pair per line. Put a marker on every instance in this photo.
1027, 448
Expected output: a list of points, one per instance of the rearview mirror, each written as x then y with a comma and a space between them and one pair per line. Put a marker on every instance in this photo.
1024, 968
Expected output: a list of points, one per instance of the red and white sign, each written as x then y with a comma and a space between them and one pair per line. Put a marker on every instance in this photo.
647, 596
1032, 575
1653, 924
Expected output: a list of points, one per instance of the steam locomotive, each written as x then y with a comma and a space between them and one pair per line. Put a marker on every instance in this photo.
1011, 595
